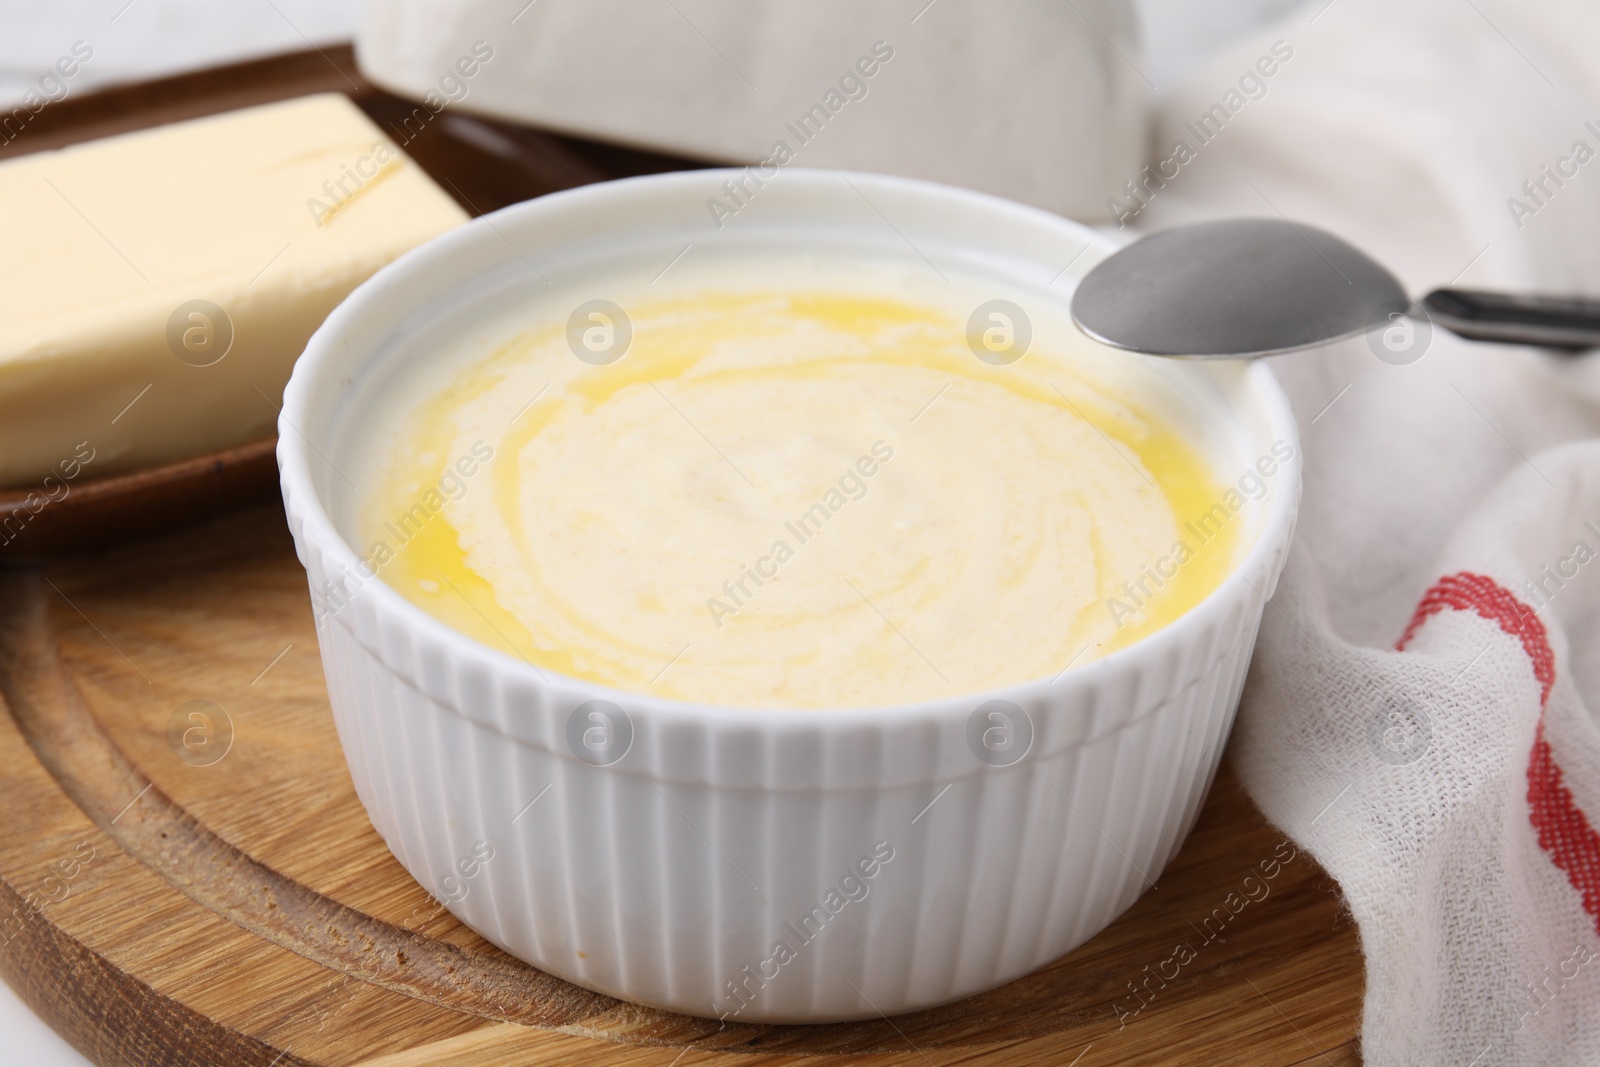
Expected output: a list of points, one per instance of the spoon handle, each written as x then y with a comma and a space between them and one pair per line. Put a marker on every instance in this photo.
1517, 318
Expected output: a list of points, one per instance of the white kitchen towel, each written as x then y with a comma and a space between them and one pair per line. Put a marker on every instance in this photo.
1421, 714
1031, 99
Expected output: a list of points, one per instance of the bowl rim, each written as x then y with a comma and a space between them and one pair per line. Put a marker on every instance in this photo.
311, 520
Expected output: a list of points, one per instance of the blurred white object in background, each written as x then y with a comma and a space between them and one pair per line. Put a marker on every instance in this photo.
1180, 35
152, 38
1038, 101
133, 40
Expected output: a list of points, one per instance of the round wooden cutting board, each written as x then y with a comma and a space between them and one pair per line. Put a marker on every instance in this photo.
187, 877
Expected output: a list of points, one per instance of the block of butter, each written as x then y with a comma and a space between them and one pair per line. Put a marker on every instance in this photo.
156, 287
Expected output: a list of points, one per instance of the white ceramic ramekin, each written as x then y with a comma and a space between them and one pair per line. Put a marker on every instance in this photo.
757, 864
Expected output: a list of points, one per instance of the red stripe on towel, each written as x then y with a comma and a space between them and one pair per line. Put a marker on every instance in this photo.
1564, 831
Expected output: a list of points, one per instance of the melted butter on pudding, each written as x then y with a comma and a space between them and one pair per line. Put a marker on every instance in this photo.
784, 496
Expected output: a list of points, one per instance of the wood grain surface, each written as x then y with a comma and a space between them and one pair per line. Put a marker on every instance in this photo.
41, 522
162, 901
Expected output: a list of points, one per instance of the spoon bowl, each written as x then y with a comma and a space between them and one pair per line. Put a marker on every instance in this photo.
1234, 289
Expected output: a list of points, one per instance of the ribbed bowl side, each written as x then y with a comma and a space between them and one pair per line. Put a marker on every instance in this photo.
677, 892
782, 866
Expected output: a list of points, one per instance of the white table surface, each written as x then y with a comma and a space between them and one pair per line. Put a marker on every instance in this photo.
136, 39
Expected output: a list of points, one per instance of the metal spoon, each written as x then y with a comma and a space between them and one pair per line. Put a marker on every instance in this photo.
1242, 288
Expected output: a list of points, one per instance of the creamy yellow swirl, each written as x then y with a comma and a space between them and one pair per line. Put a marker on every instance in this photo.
781, 498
